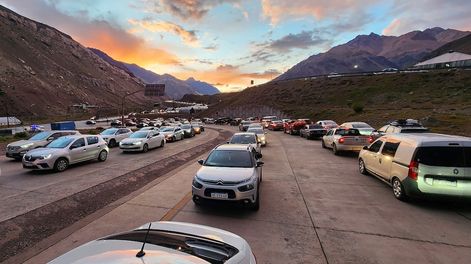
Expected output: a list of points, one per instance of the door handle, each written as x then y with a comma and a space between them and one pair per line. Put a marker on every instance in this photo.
84, 150
380, 160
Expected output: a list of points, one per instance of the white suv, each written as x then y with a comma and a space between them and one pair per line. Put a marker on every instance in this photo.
415, 164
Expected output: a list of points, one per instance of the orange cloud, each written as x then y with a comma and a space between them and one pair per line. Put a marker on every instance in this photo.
392, 28
188, 36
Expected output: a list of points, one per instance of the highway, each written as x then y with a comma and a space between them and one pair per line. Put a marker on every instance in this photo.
315, 208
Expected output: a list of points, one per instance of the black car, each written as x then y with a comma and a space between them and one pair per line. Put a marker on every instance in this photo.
90, 122
116, 123
142, 124
188, 130
312, 131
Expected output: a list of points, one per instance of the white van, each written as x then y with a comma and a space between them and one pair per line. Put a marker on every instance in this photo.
425, 163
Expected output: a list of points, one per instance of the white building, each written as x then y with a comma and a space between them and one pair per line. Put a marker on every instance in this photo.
448, 60
11, 121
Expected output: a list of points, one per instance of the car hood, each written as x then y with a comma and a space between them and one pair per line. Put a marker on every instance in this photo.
224, 173
132, 140
43, 151
24, 142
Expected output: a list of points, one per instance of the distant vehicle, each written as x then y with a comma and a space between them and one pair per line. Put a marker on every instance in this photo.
333, 75
261, 135
113, 136
90, 122
244, 125
363, 127
286, 125
246, 139
168, 242
142, 141
142, 124
327, 124
130, 123
172, 134
266, 120
17, 149
198, 127
66, 125
312, 131
276, 125
400, 126
116, 123
343, 139
236, 121
188, 130
209, 121
390, 70
64, 151
420, 164
232, 172
294, 127
149, 128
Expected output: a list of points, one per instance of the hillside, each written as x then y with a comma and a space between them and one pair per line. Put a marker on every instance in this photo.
43, 72
374, 53
441, 100
202, 87
462, 45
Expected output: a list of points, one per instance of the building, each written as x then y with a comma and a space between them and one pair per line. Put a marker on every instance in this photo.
10, 121
448, 60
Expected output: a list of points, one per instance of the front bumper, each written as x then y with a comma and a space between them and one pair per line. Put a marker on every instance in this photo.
233, 193
16, 155
38, 164
130, 147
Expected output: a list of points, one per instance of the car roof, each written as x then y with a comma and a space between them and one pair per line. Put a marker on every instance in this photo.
69, 131
429, 139
243, 147
243, 133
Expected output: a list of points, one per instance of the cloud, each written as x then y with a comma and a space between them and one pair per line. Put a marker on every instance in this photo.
211, 47
302, 40
100, 34
188, 36
189, 9
269, 74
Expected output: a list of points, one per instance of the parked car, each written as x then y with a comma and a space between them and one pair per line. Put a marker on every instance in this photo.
420, 164
17, 149
276, 125
130, 123
66, 150
167, 242
244, 125
172, 134
142, 124
236, 121
188, 130
327, 124
266, 120
198, 127
232, 172
116, 123
363, 127
286, 125
142, 141
343, 139
294, 127
400, 126
149, 128
246, 139
312, 131
90, 122
261, 135
113, 136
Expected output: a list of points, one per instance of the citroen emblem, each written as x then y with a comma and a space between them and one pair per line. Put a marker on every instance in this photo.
456, 171
220, 182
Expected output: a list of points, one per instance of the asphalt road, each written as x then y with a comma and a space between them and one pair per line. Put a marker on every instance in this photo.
315, 208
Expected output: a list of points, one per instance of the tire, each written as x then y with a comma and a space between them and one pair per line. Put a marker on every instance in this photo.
335, 150
256, 206
61, 165
145, 148
112, 143
398, 189
362, 167
323, 144
162, 144
174, 138
196, 201
102, 156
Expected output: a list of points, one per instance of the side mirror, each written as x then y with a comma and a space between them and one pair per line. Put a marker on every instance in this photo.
258, 156
227, 142
201, 161
365, 148
50, 139
260, 163
73, 147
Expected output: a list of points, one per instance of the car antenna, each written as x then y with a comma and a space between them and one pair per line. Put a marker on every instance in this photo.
141, 253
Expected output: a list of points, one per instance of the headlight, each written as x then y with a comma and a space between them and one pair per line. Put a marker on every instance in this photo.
27, 145
43, 157
262, 138
137, 143
246, 187
196, 184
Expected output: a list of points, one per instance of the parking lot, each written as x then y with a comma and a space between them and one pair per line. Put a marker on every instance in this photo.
315, 208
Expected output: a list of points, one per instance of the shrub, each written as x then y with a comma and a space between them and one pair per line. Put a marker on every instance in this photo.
21, 135
358, 108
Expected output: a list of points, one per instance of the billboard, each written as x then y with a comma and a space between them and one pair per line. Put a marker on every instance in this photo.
154, 89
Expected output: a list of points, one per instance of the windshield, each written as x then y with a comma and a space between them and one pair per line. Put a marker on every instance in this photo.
230, 158
109, 132
186, 126
40, 136
61, 142
243, 139
167, 129
255, 130
139, 135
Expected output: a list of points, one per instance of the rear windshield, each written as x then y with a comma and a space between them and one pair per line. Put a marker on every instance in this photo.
444, 156
347, 132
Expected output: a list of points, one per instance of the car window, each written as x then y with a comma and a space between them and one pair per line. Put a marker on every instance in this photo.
230, 158
92, 140
444, 156
390, 148
79, 143
56, 135
376, 146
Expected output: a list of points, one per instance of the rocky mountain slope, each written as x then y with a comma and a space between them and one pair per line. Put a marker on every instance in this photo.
374, 53
462, 45
202, 87
43, 72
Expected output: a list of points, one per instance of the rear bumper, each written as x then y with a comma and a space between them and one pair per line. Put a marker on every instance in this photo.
421, 188
355, 148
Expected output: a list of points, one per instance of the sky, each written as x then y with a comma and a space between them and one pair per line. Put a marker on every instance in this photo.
228, 43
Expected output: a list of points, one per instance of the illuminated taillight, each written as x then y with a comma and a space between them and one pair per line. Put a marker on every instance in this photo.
370, 139
413, 170
341, 140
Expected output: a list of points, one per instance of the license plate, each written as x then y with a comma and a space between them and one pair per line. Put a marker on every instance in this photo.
445, 183
219, 195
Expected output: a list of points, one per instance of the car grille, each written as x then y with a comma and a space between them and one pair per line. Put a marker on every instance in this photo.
230, 193
127, 144
222, 183
30, 158
13, 148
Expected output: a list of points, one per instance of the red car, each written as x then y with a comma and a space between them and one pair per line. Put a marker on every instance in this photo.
276, 125
294, 127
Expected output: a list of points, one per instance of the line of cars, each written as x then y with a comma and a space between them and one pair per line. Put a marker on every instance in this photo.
58, 149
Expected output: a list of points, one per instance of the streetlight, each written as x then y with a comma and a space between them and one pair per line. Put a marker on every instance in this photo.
122, 103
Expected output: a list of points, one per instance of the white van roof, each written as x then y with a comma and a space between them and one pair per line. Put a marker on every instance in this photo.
430, 139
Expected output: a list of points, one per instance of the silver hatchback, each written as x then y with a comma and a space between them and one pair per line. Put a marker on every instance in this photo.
62, 152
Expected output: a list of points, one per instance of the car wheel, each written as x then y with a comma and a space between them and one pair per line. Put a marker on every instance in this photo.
323, 144
256, 206
162, 143
145, 148
335, 150
103, 155
112, 143
174, 138
61, 164
362, 167
398, 189
197, 202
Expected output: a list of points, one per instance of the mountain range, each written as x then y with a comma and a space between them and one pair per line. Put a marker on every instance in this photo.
374, 53
174, 87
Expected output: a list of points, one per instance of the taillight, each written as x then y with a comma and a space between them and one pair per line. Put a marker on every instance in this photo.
413, 170
341, 140
370, 139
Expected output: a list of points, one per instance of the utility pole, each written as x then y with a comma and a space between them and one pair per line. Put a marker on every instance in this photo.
123, 98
